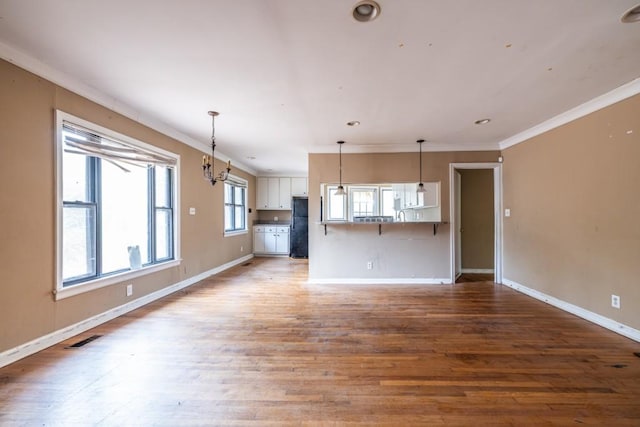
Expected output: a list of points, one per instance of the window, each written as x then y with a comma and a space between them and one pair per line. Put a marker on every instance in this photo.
336, 205
364, 201
235, 206
361, 201
118, 204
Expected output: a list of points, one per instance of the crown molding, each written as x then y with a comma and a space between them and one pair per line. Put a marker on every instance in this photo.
35, 66
616, 95
400, 148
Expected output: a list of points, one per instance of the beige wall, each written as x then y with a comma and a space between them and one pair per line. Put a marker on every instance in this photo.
574, 195
477, 218
27, 211
408, 251
270, 215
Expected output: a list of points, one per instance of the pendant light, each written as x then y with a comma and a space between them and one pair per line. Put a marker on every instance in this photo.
421, 188
207, 161
340, 191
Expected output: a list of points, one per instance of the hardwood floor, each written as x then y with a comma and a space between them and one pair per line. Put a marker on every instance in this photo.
257, 346
475, 277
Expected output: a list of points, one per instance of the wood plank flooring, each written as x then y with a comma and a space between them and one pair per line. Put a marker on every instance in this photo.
257, 346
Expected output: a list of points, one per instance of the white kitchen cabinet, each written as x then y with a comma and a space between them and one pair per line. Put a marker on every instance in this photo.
284, 195
262, 193
274, 193
409, 198
431, 197
299, 187
282, 240
258, 239
270, 240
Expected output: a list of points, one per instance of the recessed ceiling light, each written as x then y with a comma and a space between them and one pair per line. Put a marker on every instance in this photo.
353, 123
251, 157
366, 10
482, 121
631, 15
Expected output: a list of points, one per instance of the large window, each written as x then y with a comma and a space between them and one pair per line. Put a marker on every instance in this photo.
235, 206
118, 205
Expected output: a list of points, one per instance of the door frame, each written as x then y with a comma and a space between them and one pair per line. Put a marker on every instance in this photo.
497, 215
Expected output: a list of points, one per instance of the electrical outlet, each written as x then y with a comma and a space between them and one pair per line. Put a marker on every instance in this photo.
369, 265
129, 290
241, 248
615, 301
507, 212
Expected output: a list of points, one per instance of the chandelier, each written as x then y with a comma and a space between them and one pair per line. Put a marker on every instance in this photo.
207, 161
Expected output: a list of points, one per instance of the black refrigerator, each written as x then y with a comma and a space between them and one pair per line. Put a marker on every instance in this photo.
299, 238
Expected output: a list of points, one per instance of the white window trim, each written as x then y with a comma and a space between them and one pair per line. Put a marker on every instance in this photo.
61, 292
241, 181
327, 205
376, 199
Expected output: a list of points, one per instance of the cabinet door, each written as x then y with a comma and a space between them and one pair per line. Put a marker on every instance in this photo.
410, 195
258, 240
262, 193
270, 235
431, 197
282, 242
298, 186
273, 193
285, 193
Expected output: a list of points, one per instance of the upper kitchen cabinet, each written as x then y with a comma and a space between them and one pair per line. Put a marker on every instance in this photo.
299, 186
274, 193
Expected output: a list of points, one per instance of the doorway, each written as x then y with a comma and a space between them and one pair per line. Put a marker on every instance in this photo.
476, 221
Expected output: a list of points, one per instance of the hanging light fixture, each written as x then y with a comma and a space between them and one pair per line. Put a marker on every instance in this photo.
207, 161
421, 188
340, 191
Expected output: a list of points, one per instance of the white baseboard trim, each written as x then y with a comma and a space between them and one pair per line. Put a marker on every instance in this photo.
477, 270
392, 281
34, 346
598, 319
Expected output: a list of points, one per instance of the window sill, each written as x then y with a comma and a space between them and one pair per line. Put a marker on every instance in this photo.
63, 293
235, 233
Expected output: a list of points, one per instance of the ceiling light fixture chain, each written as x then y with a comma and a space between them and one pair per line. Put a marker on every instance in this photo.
207, 161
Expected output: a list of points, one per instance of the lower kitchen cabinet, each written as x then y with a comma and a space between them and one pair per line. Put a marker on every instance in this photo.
270, 240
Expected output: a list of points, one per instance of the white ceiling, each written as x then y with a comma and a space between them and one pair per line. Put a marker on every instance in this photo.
286, 75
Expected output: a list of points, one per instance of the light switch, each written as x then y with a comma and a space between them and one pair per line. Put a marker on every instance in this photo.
192, 211
507, 212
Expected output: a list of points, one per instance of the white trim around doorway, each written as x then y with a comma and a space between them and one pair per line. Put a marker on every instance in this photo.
497, 201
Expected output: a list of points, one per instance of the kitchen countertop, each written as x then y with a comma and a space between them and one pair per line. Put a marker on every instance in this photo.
277, 223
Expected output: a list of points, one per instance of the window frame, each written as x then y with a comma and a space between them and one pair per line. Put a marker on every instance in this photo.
363, 188
235, 181
345, 205
64, 290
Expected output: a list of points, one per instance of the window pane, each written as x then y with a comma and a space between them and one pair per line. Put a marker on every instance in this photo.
336, 205
228, 193
74, 177
163, 234
363, 202
162, 187
124, 216
228, 217
239, 218
78, 243
238, 196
